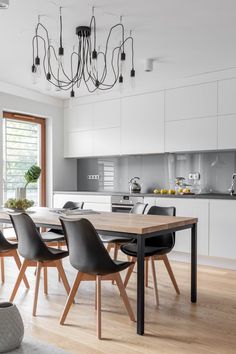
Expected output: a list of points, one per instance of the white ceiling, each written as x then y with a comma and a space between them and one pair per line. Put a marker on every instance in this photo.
188, 36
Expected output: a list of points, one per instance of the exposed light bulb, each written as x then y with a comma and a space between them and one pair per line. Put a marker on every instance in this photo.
121, 86
132, 79
123, 62
48, 85
33, 73
38, 67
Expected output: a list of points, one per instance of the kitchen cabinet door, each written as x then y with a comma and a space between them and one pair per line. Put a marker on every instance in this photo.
106, 142
94, 202
191, 135
142, 124
222, 229
190, 208
226, 94
78, 117
78, 144
106, 114
226, 132
194, 101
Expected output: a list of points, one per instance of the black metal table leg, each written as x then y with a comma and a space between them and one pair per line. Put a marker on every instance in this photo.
194, 263
140, 284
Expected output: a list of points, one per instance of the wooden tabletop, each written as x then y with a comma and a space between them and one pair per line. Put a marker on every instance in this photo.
116, 222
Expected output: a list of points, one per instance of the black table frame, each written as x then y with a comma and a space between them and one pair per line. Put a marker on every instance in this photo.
140, 262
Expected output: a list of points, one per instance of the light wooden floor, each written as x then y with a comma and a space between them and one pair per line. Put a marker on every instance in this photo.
177, 327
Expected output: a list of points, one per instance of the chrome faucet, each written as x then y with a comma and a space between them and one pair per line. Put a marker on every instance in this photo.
231, 189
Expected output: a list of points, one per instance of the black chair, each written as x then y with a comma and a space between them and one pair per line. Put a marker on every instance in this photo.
156, 248
36, 254
56, 235
8, 249
88, 255
116, 242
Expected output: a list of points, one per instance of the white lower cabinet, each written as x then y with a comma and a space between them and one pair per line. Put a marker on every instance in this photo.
223, 229
94, 202
192, 208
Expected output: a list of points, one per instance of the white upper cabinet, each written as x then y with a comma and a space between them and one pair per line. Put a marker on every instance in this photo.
79, 118
106, 114
78, 144
227, 96
191, 102
226, 132
142, 124
191, 135
106, 142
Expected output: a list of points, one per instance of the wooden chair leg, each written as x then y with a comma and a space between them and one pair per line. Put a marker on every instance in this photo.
45, 280
154, 281
129, 272
98, 287
109, 247
96, 306
71, 297
36, 291
146, 272
171, 274
116, 249
18, 263
124, 296
2, 270
19, 279
63, 276
59, 247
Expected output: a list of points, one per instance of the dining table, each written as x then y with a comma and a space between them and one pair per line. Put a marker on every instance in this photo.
139, 227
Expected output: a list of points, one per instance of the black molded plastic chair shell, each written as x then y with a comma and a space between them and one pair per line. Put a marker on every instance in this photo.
157, 245
5, 245
87, 253
30, 243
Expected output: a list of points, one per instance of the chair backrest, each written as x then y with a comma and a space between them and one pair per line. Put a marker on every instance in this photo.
86, 251
157, 210
138, 208
73, 205
167, 240
30, 243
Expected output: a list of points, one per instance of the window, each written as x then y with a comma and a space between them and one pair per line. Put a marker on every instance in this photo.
23, 146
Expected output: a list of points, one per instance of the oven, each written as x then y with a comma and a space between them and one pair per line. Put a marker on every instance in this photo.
124, 203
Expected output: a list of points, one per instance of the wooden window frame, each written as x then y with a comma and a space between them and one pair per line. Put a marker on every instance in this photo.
42, 123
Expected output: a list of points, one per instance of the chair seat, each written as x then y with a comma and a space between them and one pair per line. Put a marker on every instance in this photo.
122, 265
51, 236
132, 248
114, 239
7, 246
54, 254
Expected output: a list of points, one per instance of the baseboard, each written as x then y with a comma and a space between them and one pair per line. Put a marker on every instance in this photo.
204, 260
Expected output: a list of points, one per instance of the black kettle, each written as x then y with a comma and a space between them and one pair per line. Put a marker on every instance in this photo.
134, 186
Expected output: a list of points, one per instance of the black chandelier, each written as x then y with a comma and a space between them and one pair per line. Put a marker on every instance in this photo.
88, 63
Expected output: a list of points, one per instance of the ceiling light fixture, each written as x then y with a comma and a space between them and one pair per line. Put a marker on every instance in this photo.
4, 4
96, 69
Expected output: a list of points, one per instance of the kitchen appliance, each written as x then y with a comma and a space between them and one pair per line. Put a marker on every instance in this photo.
124, 203
134, 186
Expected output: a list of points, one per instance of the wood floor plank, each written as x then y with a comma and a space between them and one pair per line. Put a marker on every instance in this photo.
176, 326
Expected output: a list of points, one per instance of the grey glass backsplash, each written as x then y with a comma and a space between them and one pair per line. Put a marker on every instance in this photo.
157, 171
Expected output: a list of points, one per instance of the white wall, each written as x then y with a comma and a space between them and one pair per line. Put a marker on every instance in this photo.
60, 173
